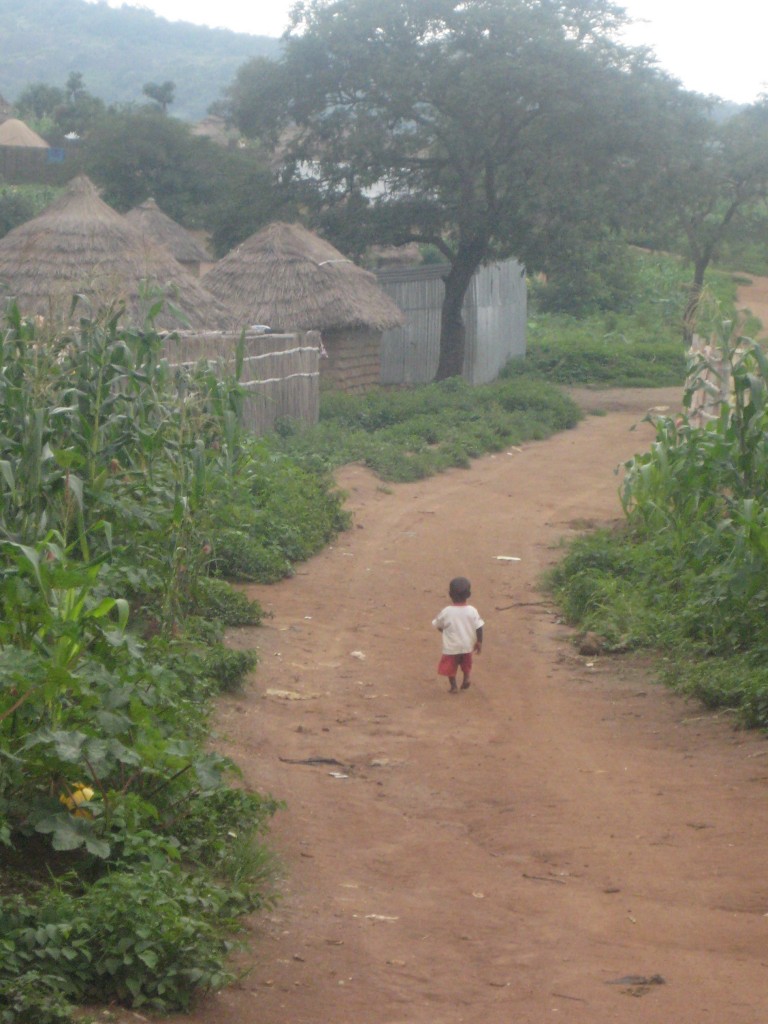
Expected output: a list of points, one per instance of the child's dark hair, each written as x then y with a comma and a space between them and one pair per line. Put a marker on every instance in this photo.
459, 588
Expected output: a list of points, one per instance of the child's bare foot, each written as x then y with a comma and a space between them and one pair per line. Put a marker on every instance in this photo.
466, 684
454, 688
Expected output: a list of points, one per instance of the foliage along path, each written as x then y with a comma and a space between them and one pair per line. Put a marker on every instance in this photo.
564, 841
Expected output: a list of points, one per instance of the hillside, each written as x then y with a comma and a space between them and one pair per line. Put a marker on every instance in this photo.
118, 50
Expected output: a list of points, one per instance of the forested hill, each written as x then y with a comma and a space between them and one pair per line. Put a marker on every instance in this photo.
118, 51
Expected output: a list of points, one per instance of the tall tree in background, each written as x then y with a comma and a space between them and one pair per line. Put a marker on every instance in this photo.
58, 112
38, 101
162, 93
465, 125
140, 154
710, 178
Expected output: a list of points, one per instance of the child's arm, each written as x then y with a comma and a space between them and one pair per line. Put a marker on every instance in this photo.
479, 640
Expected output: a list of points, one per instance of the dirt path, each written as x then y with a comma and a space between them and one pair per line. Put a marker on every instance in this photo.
509, 854
754, 297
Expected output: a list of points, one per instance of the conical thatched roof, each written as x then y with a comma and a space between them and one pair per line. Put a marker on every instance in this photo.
81, 245
292, 280
15, 133
150, 220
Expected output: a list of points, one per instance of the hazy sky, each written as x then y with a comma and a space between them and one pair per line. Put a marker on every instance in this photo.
711, 48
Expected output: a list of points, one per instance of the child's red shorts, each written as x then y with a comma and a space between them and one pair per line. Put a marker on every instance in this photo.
449, 664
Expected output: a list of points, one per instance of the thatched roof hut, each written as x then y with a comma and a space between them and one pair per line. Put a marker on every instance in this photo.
157, 226
292, 280
81, 245
23, 154
15, 133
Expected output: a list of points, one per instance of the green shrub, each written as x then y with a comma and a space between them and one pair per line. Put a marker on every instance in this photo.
554, 410
216, 599
228, 668
33, 997
600, 276
208, 827
142, 937
241, 557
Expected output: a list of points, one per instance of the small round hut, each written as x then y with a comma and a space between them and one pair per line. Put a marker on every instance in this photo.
23, 153
15, 133
79, 245
157, 226
292, 280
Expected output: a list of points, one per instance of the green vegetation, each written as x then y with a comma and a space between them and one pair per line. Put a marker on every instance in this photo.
137, 154
126, 857
129, 498
686, 575
20, 203
413, 433
634, 342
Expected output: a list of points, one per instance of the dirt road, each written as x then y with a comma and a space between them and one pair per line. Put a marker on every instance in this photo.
753, 296
564, 841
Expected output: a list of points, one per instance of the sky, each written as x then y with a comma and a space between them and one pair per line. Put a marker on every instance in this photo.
711, 48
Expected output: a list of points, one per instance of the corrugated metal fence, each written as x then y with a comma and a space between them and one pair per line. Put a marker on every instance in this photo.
495, 313
280, 373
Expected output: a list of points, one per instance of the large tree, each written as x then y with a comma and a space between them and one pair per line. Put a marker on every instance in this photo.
140, 154
473, 126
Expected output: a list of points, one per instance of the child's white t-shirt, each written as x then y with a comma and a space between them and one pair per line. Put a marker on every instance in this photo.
459, 624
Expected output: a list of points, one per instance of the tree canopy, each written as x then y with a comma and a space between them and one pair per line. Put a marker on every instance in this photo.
160, 92
485, 128
141, 154
707, 187
58, 112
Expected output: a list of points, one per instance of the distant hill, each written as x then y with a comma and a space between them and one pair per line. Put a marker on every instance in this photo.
118, 50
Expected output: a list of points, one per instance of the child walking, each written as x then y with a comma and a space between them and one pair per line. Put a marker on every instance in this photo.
462, 630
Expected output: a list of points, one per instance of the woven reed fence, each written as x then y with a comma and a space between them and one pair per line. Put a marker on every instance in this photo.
280, 373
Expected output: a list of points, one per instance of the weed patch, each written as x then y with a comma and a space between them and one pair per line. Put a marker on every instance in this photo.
413, 433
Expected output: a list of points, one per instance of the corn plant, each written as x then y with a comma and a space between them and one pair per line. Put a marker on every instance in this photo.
699, 499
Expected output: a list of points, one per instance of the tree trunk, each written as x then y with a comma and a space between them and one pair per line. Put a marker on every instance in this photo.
694, 298
453, 333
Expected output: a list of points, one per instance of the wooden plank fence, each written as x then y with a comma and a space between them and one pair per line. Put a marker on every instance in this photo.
280, 375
